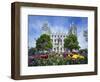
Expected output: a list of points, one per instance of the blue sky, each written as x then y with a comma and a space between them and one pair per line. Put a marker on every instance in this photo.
56, 24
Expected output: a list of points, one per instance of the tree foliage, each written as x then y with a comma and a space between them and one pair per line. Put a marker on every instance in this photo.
71, 42
31, 51
44, 42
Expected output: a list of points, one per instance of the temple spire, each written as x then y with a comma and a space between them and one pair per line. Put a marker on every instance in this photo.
45, 28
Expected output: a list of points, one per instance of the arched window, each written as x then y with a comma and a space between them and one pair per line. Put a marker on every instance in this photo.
54, 49
61, 49
55, 40
52, 35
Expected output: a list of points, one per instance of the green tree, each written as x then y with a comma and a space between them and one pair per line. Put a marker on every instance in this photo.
31, 51
71, 42
44, 42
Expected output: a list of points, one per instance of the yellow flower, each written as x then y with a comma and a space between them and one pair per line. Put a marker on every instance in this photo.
81, 57
75, 56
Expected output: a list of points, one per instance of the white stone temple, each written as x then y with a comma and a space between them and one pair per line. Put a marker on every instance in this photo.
58, 37
58, 41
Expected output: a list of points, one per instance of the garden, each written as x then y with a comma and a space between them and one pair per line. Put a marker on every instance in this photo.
43, 55
57, 59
